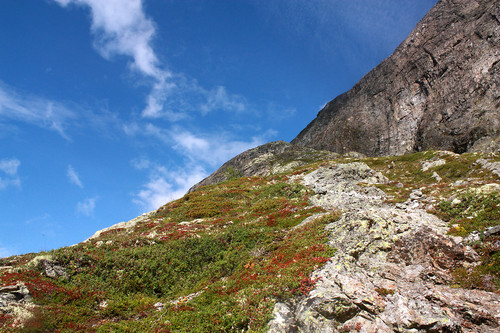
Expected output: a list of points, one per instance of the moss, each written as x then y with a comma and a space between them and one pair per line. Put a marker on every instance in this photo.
384, 291
470, 211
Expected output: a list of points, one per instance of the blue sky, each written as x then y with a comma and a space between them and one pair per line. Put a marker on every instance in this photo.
111, 108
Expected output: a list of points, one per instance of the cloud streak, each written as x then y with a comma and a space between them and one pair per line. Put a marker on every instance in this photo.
209, 149
121, 27
201, 153
73, 177
37, 111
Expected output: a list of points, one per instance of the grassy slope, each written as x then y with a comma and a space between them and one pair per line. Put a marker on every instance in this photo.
219, 258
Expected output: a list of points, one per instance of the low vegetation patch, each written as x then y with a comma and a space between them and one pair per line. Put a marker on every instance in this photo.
232, 245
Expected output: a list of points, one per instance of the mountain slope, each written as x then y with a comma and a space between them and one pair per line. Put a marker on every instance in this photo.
438, 90
405, 243
286, 238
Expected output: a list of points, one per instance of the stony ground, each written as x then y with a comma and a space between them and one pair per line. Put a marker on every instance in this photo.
392, 271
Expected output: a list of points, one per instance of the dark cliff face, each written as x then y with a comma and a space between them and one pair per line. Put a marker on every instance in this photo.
438, 90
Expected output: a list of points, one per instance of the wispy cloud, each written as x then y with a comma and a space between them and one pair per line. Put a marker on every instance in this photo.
34, 110
277, 112
211, 149
165, 185
219, 99
38, 218
121, 27
86, 207
8, 167
73, 177
201, 153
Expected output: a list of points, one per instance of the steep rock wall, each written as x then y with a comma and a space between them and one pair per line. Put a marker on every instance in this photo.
438, 90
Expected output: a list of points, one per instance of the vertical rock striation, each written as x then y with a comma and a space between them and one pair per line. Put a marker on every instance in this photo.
438, 90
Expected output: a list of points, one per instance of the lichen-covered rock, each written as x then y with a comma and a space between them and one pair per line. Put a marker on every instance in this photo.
392, 268
16, 300
340, 186
438, 90
123, 225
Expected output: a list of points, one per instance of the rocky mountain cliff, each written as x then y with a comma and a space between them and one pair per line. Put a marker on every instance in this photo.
438, 90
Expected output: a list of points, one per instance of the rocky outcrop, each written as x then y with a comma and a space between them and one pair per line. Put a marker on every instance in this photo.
271, 158
127, 225
392, 268
438, 90
16, 301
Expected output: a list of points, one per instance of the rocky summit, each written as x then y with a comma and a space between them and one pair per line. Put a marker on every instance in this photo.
321, 234
438, 90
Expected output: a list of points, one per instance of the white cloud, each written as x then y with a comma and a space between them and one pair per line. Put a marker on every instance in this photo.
9, 168
86, 207
164, 185
187, 141
277, 112
38, 218
121, 27
201, 152
34, 110
219, 99
73, 177
211, 149
141, 164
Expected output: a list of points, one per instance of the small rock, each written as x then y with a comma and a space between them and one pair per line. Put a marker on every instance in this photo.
492, 231
474, 236
283, 319
52, 270
459, 183
436, 176
432, 164
486, 189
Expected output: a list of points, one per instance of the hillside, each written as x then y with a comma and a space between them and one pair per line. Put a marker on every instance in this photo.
438, 90
341, 244
324, 234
